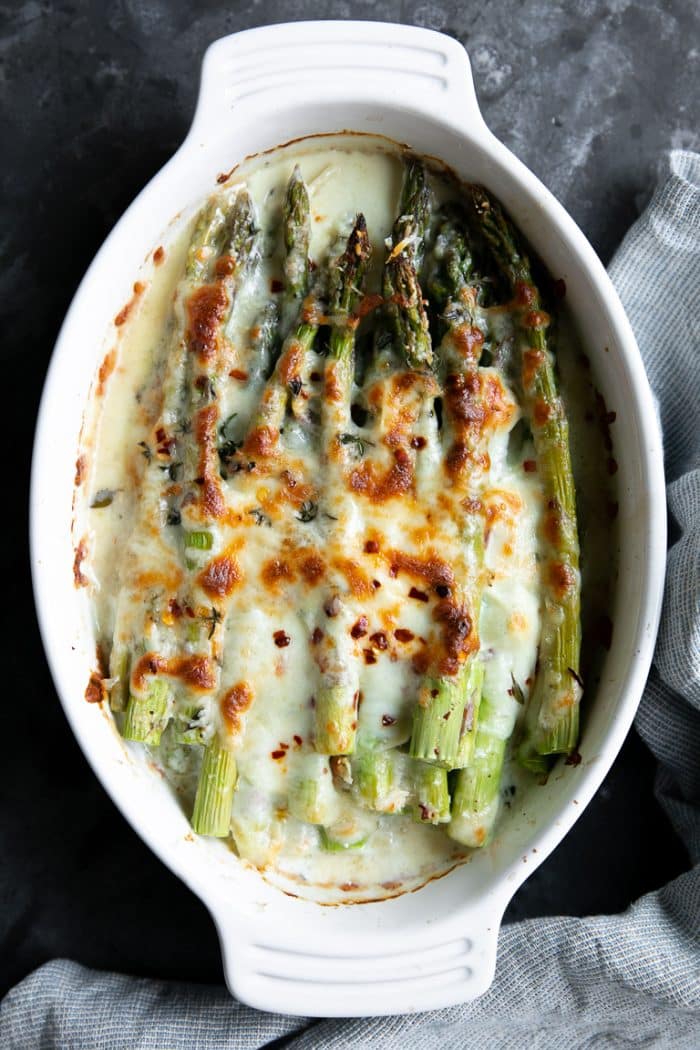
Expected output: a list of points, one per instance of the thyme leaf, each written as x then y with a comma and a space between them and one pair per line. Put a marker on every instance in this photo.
307, 511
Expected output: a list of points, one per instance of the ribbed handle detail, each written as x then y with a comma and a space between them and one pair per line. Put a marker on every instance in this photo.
313, 984
354, 61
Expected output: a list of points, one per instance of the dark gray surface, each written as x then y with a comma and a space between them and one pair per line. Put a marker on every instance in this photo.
95, 97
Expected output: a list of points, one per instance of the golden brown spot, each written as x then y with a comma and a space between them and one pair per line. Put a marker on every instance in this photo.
220, 576
525, 294
358, 582
430, 568
262, 441
275, 571
333, 390
225, 265
235, 703
196, 672
532, 362
105, 371
95, 691
541, 412
290, 362
206, 309
458, 637
536, 319
123, 314
468, 341
211, 497
79, 579
396, 481
312, 568
159, 255
562, 578
80, 469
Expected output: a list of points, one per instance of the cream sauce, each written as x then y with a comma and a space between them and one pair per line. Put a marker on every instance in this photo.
272, 739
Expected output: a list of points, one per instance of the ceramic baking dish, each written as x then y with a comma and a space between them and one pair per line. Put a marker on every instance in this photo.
436, 946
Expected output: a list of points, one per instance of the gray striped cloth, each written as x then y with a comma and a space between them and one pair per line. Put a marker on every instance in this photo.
609, 981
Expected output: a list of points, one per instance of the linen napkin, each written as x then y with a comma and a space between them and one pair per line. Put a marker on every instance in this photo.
609, 981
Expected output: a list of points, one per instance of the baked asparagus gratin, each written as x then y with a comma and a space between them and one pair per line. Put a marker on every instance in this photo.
341, 590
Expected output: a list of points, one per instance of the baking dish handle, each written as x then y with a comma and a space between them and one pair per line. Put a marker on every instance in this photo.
301, 64
300, 977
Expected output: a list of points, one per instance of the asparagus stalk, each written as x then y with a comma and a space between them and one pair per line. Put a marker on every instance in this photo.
274, 400
431, 803
219, 229
312, 796
297, 234
439, 716
337, 695
401, 288
476, 793
217, 781
552, 717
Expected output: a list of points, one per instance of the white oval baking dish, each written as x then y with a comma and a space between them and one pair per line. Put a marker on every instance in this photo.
437, 946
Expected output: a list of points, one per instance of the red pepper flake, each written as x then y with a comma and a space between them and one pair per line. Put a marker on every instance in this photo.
238, 373
529, 466
316, 636
359, 629
371, 547
297, 740
378, 640
573, 759
369, 656
402, 634
189, 611
276, 285
175, 608
420, 596
277, 755
388, 720
418, 442
285, 747
376, 584
282, 639
161, 435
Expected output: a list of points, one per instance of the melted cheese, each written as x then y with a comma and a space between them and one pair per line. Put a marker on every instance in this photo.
378, 526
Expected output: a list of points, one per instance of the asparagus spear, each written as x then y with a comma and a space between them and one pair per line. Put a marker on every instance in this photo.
438, 722
305, 313
552, 717
217, 777
312, 796
217, 781
297, 234
401, 288
336, 699
476, 793
221, 228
